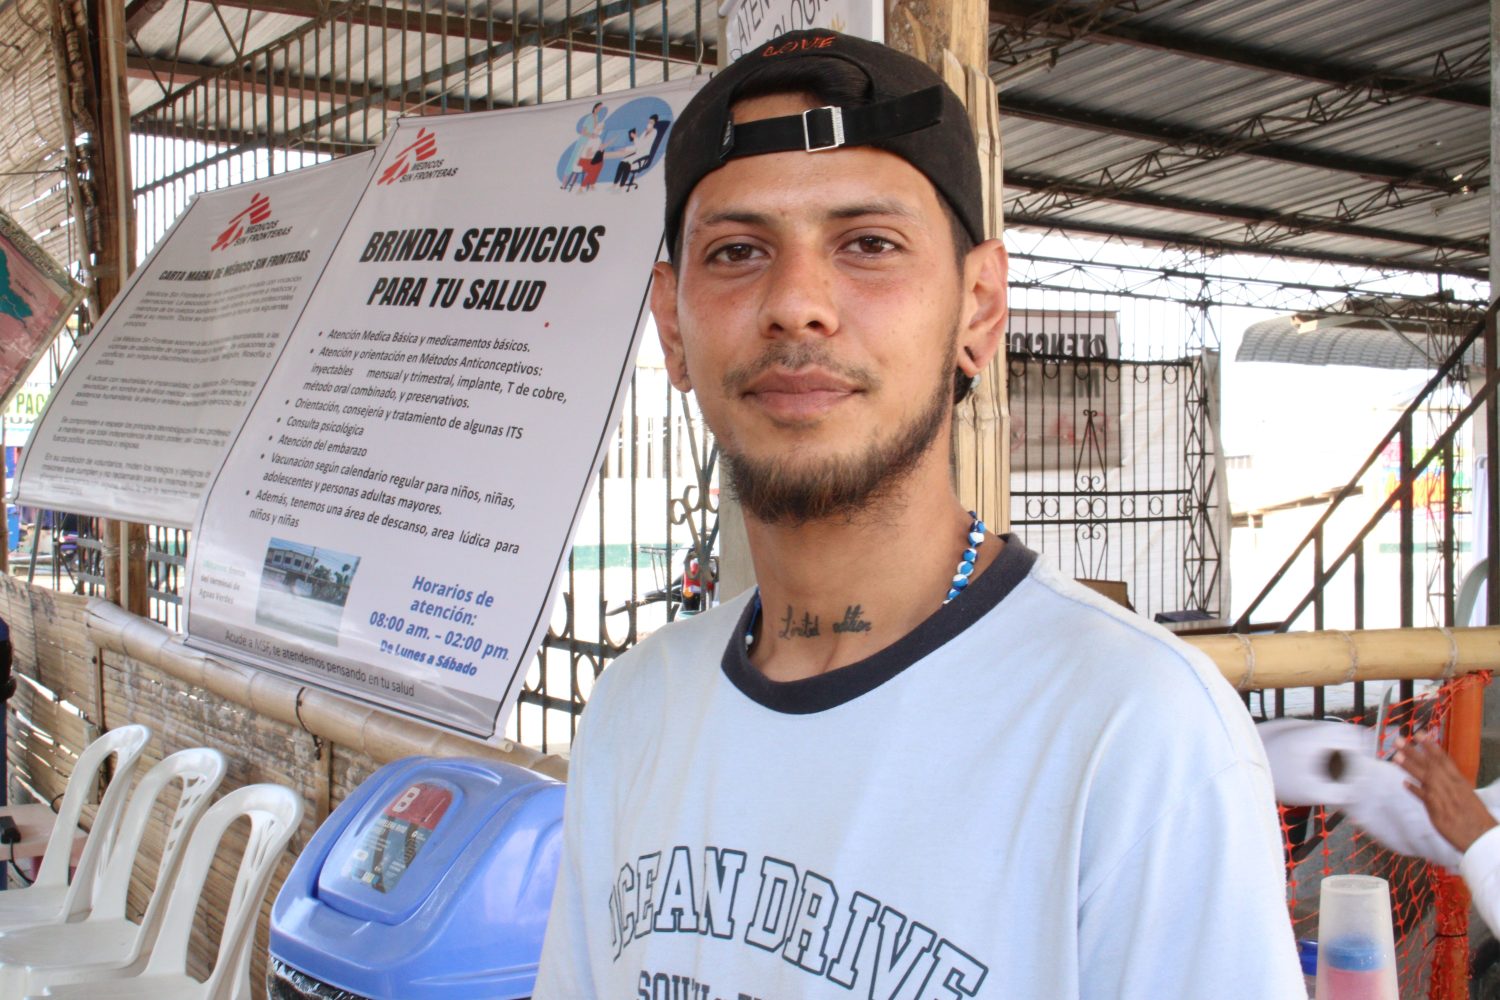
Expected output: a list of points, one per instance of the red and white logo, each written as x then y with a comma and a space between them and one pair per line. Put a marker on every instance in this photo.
258, 212
422, 804
424, 147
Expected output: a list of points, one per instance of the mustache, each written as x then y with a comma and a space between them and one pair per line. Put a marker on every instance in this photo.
792, 358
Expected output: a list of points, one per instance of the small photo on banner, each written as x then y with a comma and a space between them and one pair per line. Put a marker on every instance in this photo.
36, 297
303, 589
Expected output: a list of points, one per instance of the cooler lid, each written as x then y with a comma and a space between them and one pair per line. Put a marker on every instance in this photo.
408, 834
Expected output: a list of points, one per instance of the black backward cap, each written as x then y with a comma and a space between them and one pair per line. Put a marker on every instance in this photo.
911, 112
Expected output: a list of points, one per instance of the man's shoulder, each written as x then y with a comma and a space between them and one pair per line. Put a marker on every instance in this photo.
1126, 658
1072, 609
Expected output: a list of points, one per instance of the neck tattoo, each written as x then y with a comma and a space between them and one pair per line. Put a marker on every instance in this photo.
853, 620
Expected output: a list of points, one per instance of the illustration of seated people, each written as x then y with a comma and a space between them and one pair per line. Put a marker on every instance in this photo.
632, 140
622, 155
580, 155
643, 152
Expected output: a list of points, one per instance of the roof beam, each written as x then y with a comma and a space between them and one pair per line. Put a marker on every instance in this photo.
1167, 238
456, 26
1206, 144
1061, 195
1035, 17
169, 75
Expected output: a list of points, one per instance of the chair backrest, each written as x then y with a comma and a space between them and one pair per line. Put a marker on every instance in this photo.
642, 162
274, 814
1468, 592
661, 133
199, 770
126, 743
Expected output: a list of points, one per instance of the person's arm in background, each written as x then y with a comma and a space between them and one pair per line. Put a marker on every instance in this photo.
1461, 816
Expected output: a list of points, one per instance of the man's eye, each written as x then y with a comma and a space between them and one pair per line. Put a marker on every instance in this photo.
873, 245
733, 253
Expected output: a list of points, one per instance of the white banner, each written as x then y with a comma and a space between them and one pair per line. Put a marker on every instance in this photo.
142, 418
392, 517
748, 23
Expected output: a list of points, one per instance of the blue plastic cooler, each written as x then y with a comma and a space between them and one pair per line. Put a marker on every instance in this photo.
432, 881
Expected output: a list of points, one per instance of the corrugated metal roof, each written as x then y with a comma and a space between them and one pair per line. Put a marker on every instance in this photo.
340, 77
1348, 129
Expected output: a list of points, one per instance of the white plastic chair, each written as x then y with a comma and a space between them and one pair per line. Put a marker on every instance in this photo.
274, 813
107, 943
1468, 592
52, 899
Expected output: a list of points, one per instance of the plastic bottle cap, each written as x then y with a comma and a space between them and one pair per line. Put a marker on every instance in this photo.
1354, 953
1307, 952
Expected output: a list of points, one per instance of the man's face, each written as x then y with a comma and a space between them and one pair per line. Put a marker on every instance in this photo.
815, 311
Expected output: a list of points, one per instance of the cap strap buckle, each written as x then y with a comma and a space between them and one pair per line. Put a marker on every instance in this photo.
822, 129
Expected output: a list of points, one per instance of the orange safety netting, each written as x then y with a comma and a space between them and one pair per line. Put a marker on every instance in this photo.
1430, 907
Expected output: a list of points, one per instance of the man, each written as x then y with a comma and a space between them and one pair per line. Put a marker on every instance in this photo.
881, 775
624, 153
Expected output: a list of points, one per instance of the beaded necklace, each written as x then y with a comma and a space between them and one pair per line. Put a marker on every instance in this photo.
966, 562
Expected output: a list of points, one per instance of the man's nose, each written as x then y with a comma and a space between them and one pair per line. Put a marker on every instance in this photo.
800, 295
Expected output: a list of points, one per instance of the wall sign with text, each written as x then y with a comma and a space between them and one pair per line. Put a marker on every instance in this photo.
392, 516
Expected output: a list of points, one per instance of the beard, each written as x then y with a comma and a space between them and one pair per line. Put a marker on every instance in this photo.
778, 491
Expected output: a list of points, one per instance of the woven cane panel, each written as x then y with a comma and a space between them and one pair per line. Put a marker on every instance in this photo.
31, 186
48, 717
49, 642
256, 749
350, 769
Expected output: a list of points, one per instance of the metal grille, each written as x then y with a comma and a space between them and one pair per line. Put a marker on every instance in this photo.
1119, 486
655, 507
334, 83
1072, 497
1113, 472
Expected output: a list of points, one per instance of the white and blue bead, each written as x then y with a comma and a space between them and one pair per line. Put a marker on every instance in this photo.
966, 562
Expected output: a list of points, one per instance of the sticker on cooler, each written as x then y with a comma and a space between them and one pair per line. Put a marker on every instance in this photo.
394, 840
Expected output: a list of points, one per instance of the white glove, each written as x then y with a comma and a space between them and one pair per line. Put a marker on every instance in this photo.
1312, 762
1333, 764
1386, 809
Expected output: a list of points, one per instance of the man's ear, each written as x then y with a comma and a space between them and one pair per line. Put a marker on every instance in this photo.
664, 311
982, 326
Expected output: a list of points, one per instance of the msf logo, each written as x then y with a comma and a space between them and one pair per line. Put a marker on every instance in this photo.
424, 147
259, 211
